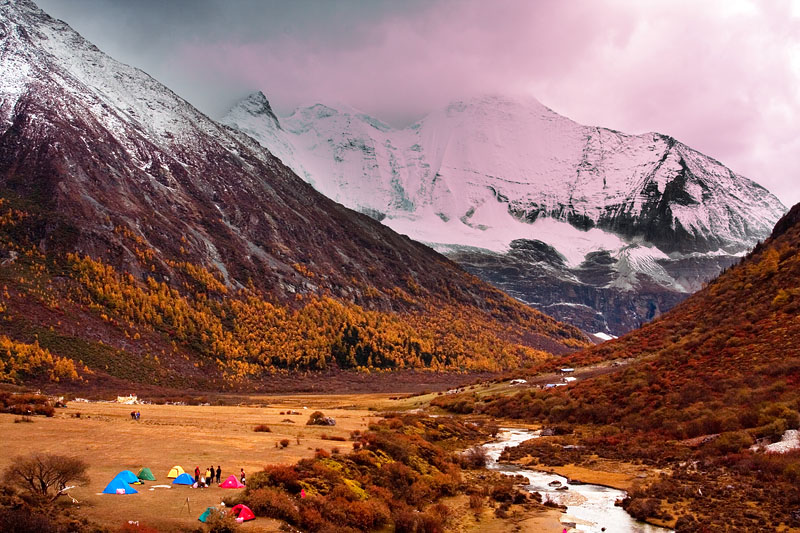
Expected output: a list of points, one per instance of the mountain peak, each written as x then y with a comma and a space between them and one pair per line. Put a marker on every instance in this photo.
630, 213
123, 175
256, 104
496, 102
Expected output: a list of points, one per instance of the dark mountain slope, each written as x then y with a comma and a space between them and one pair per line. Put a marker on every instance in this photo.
100, 159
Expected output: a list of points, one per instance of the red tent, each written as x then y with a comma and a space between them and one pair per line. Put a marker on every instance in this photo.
231, 483
242, 513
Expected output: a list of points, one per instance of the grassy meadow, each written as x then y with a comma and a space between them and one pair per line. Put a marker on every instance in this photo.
166, 435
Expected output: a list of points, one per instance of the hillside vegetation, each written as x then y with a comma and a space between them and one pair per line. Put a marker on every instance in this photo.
714, 376
163, 324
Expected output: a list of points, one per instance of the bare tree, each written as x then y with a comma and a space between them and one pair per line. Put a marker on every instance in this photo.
46, 475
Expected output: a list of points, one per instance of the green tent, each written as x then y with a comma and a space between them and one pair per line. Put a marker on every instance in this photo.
146, 475
207, 513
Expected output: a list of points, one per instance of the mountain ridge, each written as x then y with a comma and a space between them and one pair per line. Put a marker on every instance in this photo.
473, 177
142, 210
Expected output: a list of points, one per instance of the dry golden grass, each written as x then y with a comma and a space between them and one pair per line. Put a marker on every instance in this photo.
166, 435
520, 518
615, 474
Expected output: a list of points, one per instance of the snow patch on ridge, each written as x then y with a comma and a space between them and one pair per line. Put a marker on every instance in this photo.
492, 228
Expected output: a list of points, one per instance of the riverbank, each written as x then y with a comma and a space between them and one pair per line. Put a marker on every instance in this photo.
613, 474
523, 518
591, 507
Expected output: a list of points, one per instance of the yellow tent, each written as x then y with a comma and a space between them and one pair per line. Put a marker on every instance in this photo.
175, 472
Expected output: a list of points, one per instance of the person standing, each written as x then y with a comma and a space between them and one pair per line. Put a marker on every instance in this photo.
197, 474
208, 476
242, 478
219, 473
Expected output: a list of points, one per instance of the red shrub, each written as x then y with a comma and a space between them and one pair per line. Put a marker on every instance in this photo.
272, 503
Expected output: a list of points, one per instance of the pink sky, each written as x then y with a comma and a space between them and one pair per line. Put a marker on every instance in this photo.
723, 76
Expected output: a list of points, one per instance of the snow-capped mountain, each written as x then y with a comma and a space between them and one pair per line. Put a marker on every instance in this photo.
641, 220
121, 168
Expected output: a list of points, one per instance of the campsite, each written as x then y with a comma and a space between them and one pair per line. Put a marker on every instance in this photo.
104, 435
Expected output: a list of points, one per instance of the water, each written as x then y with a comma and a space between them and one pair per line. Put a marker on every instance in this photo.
591, 507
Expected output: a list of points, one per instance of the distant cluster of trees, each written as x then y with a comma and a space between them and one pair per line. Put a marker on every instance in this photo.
20, 361
247, 334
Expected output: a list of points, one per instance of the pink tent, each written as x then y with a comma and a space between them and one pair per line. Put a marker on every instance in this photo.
231, 483
242, 513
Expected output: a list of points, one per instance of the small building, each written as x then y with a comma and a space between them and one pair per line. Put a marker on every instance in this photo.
128, 400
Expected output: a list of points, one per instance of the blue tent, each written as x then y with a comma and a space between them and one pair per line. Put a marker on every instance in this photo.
183, 479
127, 476
118, 486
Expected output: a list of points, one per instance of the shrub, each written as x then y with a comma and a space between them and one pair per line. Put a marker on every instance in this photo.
318, 418
222, 523
473, 458
731, 442
362, 515
283, 476
311, 519
642, 508
284, 443
405, 521
262, 428
22, 521
476, 502
273, 503
320, 453
430, 523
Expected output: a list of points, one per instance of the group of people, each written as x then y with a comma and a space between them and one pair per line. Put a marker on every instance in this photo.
135, 415
210, 475
208, 478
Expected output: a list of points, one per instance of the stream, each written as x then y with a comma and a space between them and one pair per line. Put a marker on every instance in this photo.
591, 507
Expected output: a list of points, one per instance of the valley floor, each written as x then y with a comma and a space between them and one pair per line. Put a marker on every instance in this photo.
104, 435
108, 439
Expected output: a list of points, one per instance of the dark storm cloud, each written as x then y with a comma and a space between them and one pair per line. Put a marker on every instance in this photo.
154, 35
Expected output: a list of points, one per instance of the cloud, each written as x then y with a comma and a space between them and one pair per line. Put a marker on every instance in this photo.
723, 76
